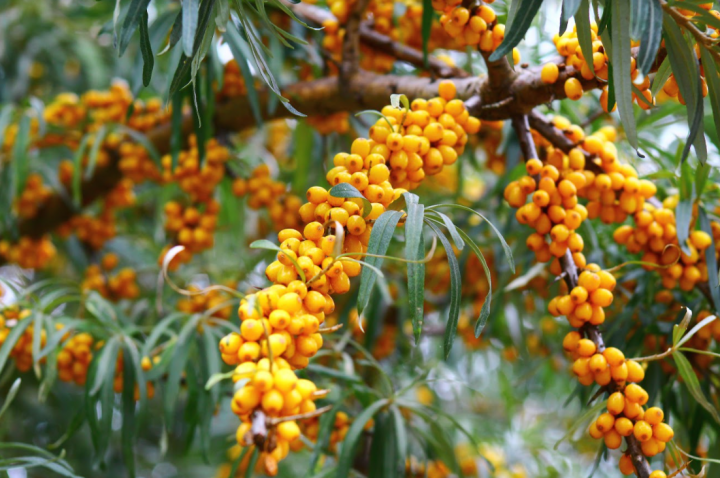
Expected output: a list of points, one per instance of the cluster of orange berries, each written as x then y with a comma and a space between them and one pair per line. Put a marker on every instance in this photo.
626, 417
333, 123
93, 231
214, 299
74, 358
265, 192
28, 252
474, 26
192, 228
199, 181
32, 197
412, 144
22, 352
554, 211
233, 82
122, 285
274, 389
284, 324
655, 236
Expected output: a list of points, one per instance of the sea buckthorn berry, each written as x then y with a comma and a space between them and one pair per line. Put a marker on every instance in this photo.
642, 431
605, 422
624, 426
598, 363
613, 440
573, 89
549, 73
614, 356
654, 415
663, 432
594, 432
288, 431
636, 373
571, 341
636, 394
658, 474
446, 88
589, 280
626, 465
586, 348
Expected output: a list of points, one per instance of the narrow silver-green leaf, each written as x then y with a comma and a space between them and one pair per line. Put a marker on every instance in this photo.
570, 7
620, 59
238, 48
455, 292
189, 25
691, 381
132, 19
584, 32
687, 74
713, 83
652, 21
380, 237
415, 250
527, 9
485, 310
347, 453
346, 190
146, 50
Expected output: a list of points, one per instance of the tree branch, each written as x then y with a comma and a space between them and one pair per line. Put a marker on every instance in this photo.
383, 43
351, 42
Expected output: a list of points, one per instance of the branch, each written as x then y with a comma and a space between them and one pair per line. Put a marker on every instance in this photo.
686, 23
383, 43
522, 131
351, 42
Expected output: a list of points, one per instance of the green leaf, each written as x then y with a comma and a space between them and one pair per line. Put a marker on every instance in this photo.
10, 395
177, 366
401, 437
12, 339
326, 426
652, 21
584, 32
683, 215
569, 8
415, 250
189, 25
485, 310
713, 83
640, 9
693, 385
271, 246
238, 47
382, 232
347, 453
706, 321
506, 248
98, 139
452, 229
20, 161
527, 9
132, 19
181, 72
383, 448
128, 416
345, 190
711, 261
605, 19
620, 59
679, 329
661, 76
455, 291
106, 364
687, 74
426, 27
146, 50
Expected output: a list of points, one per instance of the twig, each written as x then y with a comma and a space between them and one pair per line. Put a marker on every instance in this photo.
522, 131
686, 23
351, 42
328, 330
301, 416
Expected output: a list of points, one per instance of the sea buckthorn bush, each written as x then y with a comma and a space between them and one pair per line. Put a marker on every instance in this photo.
359, 238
